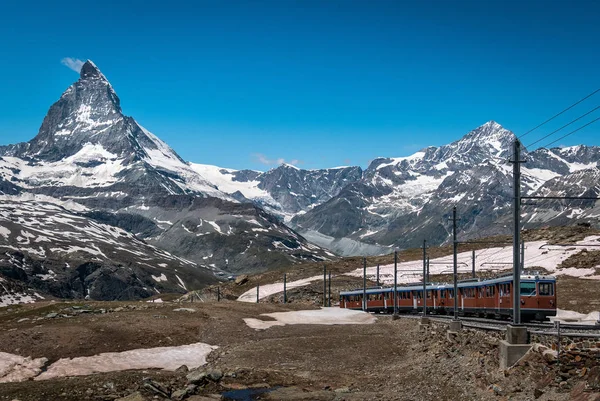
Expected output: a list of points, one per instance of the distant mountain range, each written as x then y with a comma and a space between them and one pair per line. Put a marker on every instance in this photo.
399, 202
96, 205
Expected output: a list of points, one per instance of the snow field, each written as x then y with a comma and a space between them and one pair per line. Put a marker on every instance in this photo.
537, 254
17, 368
323, 316
270, 289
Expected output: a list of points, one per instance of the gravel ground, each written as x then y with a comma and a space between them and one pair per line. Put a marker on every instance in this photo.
388, 360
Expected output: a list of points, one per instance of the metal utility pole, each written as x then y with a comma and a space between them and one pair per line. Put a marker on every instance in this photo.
522, 255
324, 285
329, 297
516, 161
428, 270
454, 247
424, 277
377, 274
473, 267
218, 294
284, 288
395, 283
364, 284
257, 292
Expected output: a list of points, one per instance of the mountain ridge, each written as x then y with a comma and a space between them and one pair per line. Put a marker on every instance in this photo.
108, 169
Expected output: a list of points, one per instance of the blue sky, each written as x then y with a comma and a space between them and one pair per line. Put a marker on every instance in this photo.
322, 83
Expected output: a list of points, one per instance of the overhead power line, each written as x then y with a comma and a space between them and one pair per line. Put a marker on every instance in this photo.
556, 115
570, 133
564, 126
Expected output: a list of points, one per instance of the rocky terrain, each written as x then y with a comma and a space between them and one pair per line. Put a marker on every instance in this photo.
46, 249
299, 362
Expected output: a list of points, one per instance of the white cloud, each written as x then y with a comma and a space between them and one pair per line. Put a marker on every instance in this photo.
73, 63
262, 159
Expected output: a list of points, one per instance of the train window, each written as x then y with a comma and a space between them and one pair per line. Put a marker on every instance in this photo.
450, 294
429, 294
546, 289
442, 293
528, 289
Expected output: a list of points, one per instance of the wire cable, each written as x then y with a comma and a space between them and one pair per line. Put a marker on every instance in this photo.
564, 126
572, 132
556, 115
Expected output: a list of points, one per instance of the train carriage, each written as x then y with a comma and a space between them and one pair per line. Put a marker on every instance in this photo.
485, 298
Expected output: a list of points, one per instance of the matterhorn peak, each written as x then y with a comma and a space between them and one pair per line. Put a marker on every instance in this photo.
89, 70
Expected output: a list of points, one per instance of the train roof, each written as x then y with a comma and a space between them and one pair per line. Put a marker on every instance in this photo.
471, 283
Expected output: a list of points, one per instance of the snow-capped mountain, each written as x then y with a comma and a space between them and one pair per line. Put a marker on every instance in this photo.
284, 191
402, 201
90, 158
85, 141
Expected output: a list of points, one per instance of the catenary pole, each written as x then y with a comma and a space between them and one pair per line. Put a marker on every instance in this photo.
473, 264
365, 284
454, 247
424, 277
329, 297
516, 232
395, 283
324, 285
522, 255
284, 288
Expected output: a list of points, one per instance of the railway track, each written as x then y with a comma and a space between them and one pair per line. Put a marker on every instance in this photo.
567, 329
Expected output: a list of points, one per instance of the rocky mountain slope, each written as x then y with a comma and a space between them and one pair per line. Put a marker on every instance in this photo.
90, 158
57, 252
401, 201
284, 191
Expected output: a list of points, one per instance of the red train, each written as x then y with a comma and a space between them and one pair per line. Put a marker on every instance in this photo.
491, 298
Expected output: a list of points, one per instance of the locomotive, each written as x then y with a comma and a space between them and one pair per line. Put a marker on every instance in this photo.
490, 298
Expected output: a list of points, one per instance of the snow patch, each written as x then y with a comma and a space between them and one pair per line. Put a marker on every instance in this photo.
167, 358
323, 316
